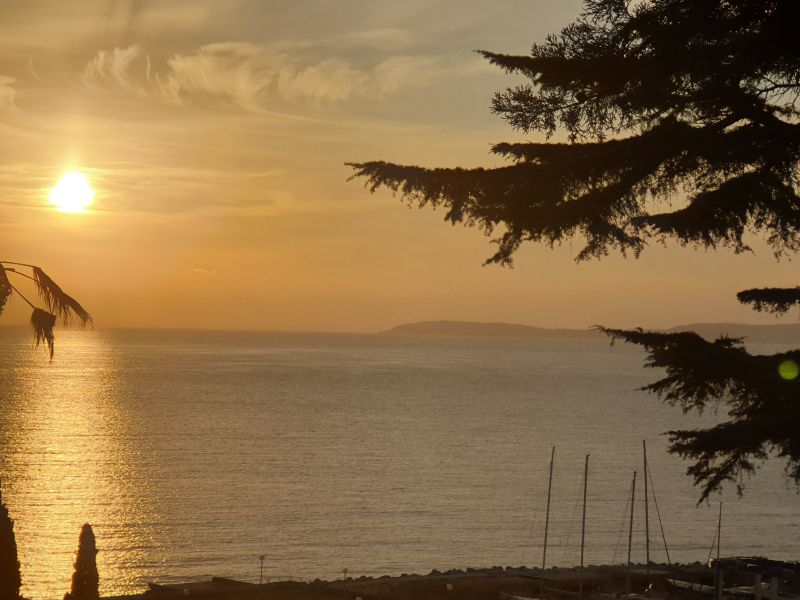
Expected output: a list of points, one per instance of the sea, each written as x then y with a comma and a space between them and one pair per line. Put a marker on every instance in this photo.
194, 453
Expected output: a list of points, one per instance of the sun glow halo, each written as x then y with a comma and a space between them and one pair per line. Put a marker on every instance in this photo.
72, 193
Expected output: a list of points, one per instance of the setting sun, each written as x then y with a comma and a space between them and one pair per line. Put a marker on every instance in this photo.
72, 193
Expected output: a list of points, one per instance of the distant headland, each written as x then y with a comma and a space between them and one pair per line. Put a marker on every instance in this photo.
781, 333
479, 329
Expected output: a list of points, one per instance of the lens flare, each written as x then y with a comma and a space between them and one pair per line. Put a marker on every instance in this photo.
788, 370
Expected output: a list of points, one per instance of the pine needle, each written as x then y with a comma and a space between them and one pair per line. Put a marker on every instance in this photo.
43, 323
58, 302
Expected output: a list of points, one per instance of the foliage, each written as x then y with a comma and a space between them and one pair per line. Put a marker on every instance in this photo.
57, 302
774, 300
762, 407
85, 579
704, 95
683, 123
5, 288
10, 580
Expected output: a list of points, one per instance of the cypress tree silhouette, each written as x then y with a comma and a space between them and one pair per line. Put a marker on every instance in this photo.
10, 579
85, 579
683, 119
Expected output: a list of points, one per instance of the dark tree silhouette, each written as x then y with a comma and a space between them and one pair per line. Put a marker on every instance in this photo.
57, 302
10, 580
760, 392
85, 580
682, 121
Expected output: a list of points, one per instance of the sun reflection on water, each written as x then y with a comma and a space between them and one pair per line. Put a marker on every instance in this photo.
68, 460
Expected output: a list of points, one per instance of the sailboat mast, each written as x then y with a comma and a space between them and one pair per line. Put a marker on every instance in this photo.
719, 529
718, 567
646, 511
630, 534
547, 520
583, 525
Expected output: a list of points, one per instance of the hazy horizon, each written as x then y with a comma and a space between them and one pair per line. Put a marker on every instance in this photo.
60, 329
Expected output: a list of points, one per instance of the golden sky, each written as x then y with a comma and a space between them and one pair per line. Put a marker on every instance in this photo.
214, 135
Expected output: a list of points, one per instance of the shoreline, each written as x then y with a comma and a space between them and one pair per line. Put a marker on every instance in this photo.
478, 583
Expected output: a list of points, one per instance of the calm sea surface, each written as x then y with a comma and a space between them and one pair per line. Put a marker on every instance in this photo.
191, 453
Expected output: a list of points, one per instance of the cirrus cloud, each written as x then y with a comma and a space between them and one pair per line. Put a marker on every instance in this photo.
251, 77
8, 94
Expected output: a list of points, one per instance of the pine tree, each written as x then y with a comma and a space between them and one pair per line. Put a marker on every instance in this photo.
85, 579
683, 123
761, 394
10, 580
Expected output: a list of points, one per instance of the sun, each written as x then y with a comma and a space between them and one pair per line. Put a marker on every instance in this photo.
72, 193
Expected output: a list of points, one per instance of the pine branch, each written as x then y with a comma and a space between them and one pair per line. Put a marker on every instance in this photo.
773, 300
760, 402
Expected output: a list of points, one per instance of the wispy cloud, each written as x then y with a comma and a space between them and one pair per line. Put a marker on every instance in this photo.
330, 81
8, 94
114, 67
235, 72
404, 71
252, 77
32, 70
